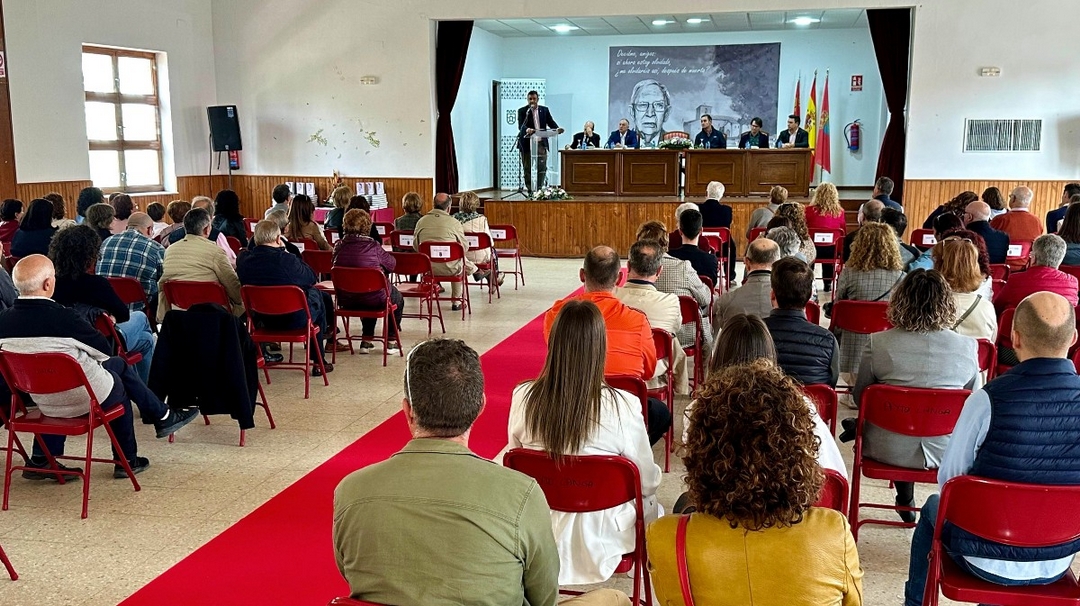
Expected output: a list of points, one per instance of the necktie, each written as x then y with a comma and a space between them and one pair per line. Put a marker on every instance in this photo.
536, 118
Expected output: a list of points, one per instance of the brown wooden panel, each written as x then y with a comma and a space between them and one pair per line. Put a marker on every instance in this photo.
589, 171
68, 189
727, 166
649, 173
922, 196
789, 168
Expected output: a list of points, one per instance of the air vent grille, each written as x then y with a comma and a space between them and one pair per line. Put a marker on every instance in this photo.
1003, 135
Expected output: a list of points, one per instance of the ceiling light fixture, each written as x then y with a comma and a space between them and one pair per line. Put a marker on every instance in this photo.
804, 21
661, 22
563, 28
696, 20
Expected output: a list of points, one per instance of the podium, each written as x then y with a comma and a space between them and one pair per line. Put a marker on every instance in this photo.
541, 143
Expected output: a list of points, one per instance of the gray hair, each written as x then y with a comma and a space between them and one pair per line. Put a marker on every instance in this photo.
871, 211
715, 190
1048, 251
266, 231
645, 258
280, 217
786, 239
196, 221
1021, 197
684, 206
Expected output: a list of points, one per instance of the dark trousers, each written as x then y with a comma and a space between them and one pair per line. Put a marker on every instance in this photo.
659, 420
368, 324
541, 165
321, 306
826, 252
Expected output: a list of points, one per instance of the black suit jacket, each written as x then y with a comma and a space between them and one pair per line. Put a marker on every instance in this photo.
802, 138
997, 242
594, 140
715, 214
46, 318
746, 140
525, 123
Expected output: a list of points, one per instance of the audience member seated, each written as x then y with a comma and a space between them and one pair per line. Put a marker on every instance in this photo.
176, 211
957, 206
795, 214
754, 537
301, 224
228, 220
37, 324
825, 212
100, 218
644, 266
394, 520
805, 351
716, 215
156, 211
761, 216
977, 219
133, 254
473, 222
35, 230
921, 350
679, 278
685, 206
439, 226
753, 296
1021, 427
898, 222
1054, 217
412, 204
282, 197
361, 203
357, 249
872, 273
993, 198
340, 197
196, 258
869, 212
123, 206
786, 240
74, 253
704, 263
205, 203
568, 410
1070, 232
88, 196
883, 188
1043, 275
269, 264
10, 213
8, 294
942, 224
59, 220
1019, 223
281, 219
630, 349
957, 259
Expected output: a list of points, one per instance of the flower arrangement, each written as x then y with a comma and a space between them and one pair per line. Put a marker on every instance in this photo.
676, 143
552, 192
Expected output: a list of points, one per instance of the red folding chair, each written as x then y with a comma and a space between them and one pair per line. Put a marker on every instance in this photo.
664, 342
634, 386
707, 281
834, 238
1016, 256
320, 262
423, 290
276, 301
383, 229
834, 492
623, 274
813, 312
234, 244
7, 564
50, 373
105, 325
130, 292
351, 602
402, 239
990, 509
443, 253
826, 401
332, 236
860, 317
923, 239
756, 233
364, 280
249, 225
305, 244
182, 294
920, 413
988, 358
691, 314
674, 240
1004, 338
719, 239
481, 241
1000, 271
507, 233
582, 484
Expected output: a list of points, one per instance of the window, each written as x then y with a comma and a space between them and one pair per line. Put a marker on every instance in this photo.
123, 119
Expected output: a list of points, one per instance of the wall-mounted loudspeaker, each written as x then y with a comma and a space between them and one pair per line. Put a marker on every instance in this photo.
224, 128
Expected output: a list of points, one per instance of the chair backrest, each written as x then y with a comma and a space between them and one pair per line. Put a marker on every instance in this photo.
185, 293
443, 252
1018, 250
351, 602
249, 225
664, 342
923, 239
912, 411
503, 232
632, 385
234, 244
43, 373
1000, 271
331, 235
411, 263
105, 325
691, 314
710, 243
624, 273
580, 484
827, 237
861, 317
987, 355
674, 240
989, 509
1005, 322
274, 300
756, 233
813, 312
834, 492
384, 229
720, 232
359, 280
128, 289
478, 240
707, 281
402, 239
320, 261
824, 399
305, 244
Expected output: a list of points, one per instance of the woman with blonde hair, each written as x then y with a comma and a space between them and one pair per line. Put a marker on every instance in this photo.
795, 214
825, 212
301, 225
753, 478
474, 222
870, 274
340, 196
957, 259
678, 277
569, 410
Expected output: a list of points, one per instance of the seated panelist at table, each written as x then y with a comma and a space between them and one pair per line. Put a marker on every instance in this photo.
793, 136
709, 137
586, 138
755, 137
624, 137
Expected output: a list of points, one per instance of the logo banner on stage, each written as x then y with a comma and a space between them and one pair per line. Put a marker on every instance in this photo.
513, 93
662, 89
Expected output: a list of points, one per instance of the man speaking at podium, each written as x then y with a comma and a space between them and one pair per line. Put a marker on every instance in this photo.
531, 118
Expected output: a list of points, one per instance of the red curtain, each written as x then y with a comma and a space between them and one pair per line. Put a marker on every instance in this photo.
890, 29
451, 46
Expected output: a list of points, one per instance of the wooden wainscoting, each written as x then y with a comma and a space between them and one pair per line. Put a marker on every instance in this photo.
922, 196
68, 189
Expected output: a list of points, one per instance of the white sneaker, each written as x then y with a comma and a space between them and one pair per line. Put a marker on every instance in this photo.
366, 347
393, 350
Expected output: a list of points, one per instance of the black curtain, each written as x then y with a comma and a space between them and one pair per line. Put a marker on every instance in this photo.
890, 29
451, 46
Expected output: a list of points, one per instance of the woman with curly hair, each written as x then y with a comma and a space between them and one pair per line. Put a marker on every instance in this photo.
678, 277
957, 258
796, 217
755, 537
35, 230
825, 212
59, 220
956, 206
921, 350
74, 252
569, 410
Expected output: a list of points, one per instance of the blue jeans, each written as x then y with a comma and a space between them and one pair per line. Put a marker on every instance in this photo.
137, 336
919, 565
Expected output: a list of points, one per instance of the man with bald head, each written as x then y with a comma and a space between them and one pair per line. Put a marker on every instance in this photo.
630, 349
1019, 223
439, 226
1023, 426
977, 219
753, 296
869, 212
37, 324
134, 254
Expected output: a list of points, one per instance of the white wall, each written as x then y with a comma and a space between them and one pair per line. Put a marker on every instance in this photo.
44, 55
472, 112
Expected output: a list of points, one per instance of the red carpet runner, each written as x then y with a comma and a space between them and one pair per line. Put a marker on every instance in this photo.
282, 552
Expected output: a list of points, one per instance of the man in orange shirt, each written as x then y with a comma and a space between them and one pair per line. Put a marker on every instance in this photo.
630, 349
1019, 223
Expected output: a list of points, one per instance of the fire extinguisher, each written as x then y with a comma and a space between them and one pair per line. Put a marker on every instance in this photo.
851, 135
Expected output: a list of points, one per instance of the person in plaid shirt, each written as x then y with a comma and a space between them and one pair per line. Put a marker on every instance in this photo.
134, 254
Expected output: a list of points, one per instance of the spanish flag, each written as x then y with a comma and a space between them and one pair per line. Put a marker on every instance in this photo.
811, 117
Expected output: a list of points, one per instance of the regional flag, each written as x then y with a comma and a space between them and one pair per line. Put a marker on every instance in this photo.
824, 156
798, 102
811, 118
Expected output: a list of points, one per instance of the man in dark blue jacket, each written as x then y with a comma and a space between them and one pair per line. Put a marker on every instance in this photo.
1052, 217
977, 219
883, 188
804, 351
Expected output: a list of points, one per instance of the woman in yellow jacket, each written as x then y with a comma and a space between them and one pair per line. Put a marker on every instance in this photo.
753, 475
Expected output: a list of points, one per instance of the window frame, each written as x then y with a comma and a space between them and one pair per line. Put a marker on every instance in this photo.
118, 99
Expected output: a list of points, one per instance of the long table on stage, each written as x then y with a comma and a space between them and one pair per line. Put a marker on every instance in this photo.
641, 172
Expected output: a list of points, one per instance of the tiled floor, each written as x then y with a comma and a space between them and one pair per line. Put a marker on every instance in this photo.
203, 483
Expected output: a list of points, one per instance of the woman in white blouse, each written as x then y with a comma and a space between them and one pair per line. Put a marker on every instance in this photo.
568, 410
